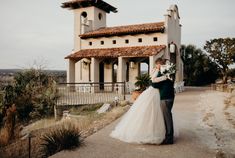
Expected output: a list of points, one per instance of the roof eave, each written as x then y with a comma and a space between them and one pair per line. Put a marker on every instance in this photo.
83, 4
74, 57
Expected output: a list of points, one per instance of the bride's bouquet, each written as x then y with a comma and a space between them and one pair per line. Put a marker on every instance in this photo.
169, 69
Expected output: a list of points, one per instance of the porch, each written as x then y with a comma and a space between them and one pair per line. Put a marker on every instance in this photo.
112, 64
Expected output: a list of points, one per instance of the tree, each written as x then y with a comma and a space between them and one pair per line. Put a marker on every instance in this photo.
222, 52
198, 67
34, 94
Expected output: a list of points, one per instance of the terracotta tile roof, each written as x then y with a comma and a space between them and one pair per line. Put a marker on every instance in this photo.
125, 30
75, 4
138, 51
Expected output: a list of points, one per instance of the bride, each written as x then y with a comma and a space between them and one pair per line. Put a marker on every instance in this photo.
144, 122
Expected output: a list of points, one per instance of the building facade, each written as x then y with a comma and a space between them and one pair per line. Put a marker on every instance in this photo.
114, 54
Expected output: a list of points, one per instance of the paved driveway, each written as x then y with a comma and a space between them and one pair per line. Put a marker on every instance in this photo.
189, 144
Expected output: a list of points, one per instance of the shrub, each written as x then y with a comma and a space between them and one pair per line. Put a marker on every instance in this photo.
143, 81
33, 93
65, 137
7, 132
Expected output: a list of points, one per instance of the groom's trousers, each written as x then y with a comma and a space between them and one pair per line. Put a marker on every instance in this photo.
166, 106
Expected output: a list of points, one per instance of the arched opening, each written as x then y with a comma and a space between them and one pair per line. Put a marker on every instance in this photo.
100, 16
127, 71
115, 67
144, 67
83, 17
101, 77
84, 14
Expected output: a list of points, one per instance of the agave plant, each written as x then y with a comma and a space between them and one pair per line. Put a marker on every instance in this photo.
66, 137
143, 81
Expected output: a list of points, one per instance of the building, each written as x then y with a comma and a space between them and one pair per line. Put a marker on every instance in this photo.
114, 54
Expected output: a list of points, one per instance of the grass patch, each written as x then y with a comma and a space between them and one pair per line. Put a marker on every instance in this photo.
86, 122
85, 109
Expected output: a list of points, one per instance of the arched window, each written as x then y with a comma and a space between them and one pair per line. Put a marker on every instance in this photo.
100, 16
84, 14
144, 67
84, 17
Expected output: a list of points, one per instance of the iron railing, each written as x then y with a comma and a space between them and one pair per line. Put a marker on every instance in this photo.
90, 92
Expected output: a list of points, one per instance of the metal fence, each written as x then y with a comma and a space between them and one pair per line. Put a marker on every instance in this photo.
90, 93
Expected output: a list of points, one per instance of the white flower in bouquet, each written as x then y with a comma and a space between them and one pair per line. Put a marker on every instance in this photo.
169, 70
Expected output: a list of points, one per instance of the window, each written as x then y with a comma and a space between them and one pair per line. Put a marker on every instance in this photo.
102, 42
90, 43
126, 41
84, 14
100, 16
140, 40
84, 18
155, 39
114, 42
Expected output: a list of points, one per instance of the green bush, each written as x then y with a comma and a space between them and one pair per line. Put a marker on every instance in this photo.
1, 107
33, 92
66, 137
143, 81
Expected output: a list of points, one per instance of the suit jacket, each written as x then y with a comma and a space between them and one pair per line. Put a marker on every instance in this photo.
165, 87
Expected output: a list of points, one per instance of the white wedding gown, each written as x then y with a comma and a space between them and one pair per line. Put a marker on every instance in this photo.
144, 122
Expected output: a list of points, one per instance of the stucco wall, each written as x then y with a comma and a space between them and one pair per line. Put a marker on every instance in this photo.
173, 30
108, 73
133, 72
147, 39
92, 14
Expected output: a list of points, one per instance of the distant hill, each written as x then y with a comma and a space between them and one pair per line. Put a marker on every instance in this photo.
13, 71
9, 70
7, 75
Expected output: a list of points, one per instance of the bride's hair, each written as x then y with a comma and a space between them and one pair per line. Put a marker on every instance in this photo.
160, 61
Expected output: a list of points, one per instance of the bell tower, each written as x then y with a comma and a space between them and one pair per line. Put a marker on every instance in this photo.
89, 15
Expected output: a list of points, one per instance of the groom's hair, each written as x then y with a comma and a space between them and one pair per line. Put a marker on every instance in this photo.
160, 61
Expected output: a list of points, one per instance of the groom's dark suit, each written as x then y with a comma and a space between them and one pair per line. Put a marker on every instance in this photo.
167, 95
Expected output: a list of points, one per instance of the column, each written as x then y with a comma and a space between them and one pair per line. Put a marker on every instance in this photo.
151, 63
94, 70
121, 75
71, 71
94, 73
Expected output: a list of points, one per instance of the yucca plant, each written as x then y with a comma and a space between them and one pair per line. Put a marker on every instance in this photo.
143, 81
66, 137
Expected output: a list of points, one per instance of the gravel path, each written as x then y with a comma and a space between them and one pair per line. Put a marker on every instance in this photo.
200, 134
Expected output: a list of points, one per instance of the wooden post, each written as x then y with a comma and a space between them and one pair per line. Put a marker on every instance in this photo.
29, 145
124, 83
55, 111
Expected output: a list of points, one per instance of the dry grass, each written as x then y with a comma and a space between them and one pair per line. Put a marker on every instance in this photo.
89, 123
4, 137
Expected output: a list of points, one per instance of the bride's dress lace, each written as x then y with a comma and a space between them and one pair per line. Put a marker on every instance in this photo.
144, 122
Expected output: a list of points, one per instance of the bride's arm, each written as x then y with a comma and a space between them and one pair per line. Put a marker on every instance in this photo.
156, 79
153, 74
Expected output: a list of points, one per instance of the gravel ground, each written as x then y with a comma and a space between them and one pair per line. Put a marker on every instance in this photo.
203, 122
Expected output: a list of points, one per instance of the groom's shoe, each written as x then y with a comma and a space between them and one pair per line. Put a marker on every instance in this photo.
167, 142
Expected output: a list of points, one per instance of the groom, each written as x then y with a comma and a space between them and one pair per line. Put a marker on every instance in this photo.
167, 95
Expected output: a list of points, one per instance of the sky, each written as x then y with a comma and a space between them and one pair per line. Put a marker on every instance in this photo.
41, 32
